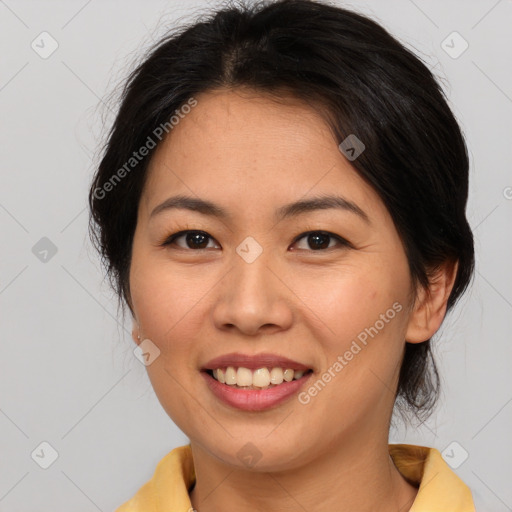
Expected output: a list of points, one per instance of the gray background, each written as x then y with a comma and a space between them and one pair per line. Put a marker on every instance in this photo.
68, 375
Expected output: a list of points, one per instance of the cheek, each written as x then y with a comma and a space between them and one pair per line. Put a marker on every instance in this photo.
166, 302
346, 302
363, 318
363, 323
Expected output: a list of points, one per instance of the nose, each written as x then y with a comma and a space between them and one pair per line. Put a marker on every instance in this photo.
253, 298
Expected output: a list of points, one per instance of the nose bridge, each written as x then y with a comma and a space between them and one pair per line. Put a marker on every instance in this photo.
251, 296
251, 273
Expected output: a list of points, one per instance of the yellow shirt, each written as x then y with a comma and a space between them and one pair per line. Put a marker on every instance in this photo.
440, 489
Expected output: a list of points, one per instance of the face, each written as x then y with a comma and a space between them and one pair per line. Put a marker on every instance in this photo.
328, 288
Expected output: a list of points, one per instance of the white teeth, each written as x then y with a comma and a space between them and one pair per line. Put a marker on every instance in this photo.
243, 377
230, 376
260, 378
288, 375
276, 376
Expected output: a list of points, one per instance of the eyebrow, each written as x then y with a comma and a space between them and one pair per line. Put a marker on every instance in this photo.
290, 210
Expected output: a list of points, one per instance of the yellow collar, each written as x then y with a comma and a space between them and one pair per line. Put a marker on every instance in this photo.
440, 489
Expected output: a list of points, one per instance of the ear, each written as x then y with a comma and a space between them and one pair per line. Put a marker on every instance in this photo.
430, 305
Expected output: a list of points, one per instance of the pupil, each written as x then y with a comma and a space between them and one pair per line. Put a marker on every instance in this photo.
198, 240
317, 239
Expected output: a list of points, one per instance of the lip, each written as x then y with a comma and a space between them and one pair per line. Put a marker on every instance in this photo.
253, 362
254, 399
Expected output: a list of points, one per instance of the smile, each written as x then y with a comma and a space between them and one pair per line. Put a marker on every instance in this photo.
261, 378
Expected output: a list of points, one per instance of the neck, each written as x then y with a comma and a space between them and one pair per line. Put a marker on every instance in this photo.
343, 479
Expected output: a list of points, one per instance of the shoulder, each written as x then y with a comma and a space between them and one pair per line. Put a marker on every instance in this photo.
168, 487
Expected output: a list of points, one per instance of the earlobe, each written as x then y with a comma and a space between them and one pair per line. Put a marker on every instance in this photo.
430, 305
136, 333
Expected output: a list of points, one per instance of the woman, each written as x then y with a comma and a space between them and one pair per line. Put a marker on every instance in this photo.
281, 205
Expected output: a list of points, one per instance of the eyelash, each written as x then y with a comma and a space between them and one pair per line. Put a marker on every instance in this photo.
342, 243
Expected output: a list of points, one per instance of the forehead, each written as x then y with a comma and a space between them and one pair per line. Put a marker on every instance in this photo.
241, 148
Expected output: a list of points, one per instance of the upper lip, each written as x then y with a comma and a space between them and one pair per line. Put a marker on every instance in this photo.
253, 362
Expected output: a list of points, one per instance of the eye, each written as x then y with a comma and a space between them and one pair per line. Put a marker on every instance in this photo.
198, 240
192, 239
318, 240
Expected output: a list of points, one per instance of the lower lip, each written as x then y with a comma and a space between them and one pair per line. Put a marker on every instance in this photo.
254, 399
